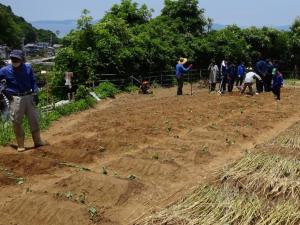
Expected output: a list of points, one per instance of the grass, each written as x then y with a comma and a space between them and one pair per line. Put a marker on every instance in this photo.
292, 82
46, 119
268, 175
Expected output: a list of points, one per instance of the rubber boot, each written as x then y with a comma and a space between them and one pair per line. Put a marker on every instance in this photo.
20, 142
38, 142
20, 137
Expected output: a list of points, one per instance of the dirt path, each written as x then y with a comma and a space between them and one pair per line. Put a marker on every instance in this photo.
153, 149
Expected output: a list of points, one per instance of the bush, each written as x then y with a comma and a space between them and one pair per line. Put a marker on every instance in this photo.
131, 88
43, 98
82, 92
107, 90
76, 106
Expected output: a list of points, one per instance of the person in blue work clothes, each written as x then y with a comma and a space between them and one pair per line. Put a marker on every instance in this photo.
277, 83
269, 76
223, 77
241, 71
22, 91
180, 71
261, 68
231, 71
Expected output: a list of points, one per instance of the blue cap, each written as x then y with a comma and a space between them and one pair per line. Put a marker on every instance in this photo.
17, 54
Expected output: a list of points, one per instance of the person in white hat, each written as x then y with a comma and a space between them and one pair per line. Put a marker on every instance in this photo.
180, 71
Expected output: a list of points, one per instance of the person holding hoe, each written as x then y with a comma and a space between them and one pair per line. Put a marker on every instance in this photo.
180, 71
21, 90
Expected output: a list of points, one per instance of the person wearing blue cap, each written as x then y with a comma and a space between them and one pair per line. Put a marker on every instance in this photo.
22, 91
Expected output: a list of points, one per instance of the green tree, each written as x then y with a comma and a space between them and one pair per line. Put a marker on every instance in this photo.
10, 32
294, 42
186, 14
130, 12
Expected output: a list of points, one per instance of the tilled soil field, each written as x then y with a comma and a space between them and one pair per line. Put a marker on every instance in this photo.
132, 156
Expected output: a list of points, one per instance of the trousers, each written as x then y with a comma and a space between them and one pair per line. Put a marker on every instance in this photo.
20, 107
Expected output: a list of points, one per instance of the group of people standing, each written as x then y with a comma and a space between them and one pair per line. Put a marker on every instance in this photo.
268, 78
227, 75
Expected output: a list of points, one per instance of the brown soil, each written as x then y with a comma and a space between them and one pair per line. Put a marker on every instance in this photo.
144, 152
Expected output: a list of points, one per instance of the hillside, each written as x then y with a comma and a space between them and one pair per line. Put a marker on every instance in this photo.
15, 29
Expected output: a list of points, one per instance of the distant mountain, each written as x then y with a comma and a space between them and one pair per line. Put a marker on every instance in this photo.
15, 30
65, 26
217, 26
62, 26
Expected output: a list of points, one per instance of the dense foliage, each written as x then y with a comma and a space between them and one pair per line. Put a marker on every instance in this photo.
15, 30
127, 41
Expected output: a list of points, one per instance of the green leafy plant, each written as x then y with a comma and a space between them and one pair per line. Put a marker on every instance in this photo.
131, 88
82, 92
106, 90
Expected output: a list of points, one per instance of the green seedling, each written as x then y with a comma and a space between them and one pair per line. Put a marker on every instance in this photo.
20, 180
131, 177
205, 149
104, 171
69, 195
156, 156
93, 212
82, 198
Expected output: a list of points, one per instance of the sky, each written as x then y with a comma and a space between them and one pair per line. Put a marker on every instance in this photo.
240, 12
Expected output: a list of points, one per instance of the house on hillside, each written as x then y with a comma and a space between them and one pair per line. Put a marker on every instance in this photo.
40, 48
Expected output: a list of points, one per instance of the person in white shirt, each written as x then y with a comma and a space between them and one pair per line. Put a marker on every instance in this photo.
68, 85
249, 80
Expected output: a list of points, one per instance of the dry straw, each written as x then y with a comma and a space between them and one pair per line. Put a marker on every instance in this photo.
212, 206
288, 139
207, 205
269, 175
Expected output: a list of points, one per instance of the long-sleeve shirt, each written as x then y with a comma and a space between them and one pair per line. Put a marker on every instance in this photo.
223, 69
18, 80
250, 77
231, 72
277, 80
261, 67
180, 70
241, 71
214, 72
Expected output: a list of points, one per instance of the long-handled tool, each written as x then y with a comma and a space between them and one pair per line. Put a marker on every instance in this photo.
4, 110
136, 79
191, 83
220, 92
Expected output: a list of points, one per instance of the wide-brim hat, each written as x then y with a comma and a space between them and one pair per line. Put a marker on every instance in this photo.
182, 60
18, 54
